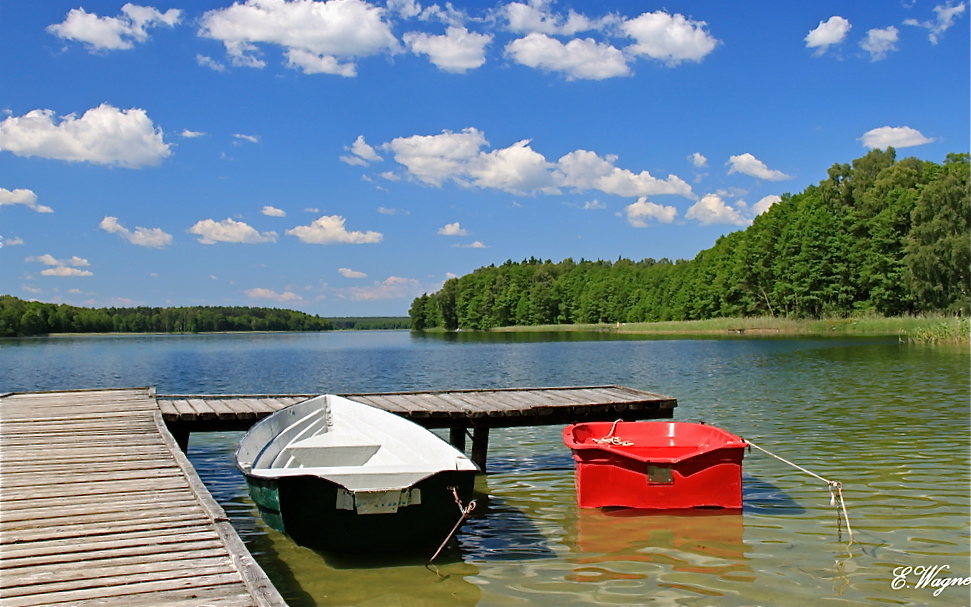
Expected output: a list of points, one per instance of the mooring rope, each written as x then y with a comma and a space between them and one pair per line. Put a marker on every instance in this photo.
835, 493
465, 510
610, 439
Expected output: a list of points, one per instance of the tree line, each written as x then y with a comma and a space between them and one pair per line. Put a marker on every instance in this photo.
19, 318
877, 235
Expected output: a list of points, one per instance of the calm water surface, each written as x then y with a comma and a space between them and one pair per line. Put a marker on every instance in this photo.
888, 420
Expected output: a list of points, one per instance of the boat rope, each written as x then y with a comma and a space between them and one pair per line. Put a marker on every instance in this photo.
835, 494
610, 439
465, 511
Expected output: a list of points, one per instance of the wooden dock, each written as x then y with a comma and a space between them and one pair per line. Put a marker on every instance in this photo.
463, 412
98, 506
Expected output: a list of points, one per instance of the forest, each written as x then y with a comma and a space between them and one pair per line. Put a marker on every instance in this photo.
877, 236
19, 318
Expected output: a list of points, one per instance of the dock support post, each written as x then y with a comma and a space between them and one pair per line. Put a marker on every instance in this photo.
456, 436
180, 432
480, 444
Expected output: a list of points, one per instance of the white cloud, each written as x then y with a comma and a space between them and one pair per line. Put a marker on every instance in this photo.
103, 135
330, 230
389, 211
536, 16
669, 38
584, 170
828, 33
143, 237
349, 273
113, 33
394, 287
748, 164
946, 15
474, 245
239, 137
457, 51
894, 136
641, 212
593, 205
453, 229
698, 160
49, 260
66, 272
228, 230
191, 134
712, 210
315, 35
260, 293
880, 42
22, 196
11, 242
584, 59
206, 61
517, 169
363, 154
62, 267
763, 205
434, 158
270, 211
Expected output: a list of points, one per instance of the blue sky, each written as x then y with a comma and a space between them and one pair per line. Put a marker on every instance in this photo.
343, 157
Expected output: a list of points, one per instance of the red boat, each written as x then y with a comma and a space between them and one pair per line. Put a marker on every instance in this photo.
656, 465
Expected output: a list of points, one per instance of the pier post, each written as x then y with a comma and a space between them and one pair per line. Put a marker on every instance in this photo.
456, 436
480, 444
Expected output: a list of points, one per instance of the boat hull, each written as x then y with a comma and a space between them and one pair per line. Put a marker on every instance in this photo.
656, 465
314, 512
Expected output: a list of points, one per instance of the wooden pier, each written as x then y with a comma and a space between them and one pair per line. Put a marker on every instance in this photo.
99, 505
463, 412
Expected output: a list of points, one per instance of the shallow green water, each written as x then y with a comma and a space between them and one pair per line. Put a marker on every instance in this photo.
888, 420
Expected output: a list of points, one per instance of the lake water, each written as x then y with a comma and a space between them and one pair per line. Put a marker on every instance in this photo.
888, 420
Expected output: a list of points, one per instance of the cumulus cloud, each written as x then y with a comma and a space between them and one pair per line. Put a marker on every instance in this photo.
453, 229
395, 287
537, 16
698, 160
361, 153
946, 16
472, 245
894, 136
519, 169
584, 170
763, 204
640, 213
191, 134
62, 267
748, 164
102, 135
113, 33
329, 229
228, 230
578, 59
317, 37
713, 210
271, 211
143, 237
22, 196
260, 293
880, 42
670, 39
349, 273
457, 51
827, 34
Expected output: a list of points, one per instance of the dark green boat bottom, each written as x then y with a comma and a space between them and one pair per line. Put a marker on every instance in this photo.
305, 508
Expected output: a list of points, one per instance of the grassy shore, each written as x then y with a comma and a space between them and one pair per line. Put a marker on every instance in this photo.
936, 330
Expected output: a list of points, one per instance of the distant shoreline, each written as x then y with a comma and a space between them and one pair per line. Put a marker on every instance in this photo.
933, 329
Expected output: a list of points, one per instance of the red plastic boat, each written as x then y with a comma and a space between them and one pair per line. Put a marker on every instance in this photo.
656, 465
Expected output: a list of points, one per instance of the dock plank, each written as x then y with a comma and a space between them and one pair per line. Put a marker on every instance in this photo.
101, 508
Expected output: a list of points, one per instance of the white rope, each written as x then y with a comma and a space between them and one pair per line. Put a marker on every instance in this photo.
835, 489
610, 439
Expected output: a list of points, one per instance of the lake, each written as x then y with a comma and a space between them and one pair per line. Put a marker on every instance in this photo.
888, 420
